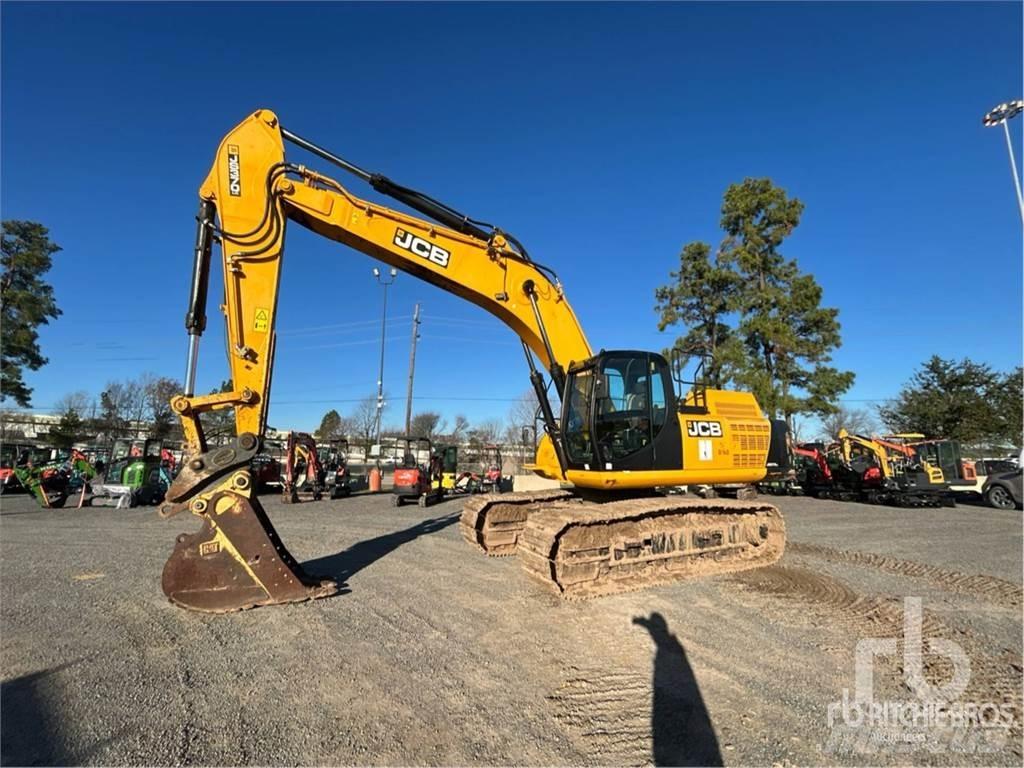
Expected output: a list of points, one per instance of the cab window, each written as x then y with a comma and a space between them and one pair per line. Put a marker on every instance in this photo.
623, 406
659, 409
577, 417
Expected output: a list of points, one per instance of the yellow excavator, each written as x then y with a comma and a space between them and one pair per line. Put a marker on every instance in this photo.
622, 431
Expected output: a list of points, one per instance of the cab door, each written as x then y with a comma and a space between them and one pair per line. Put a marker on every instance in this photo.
619, 414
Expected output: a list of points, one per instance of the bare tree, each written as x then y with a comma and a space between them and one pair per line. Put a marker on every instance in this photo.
72, 427
853, 420
158, 394
73, 402
364, 421
486, 432
425, 424
520, 437
524, 410
134, 402
460, 429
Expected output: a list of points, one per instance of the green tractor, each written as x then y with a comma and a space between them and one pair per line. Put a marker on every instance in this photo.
138, 474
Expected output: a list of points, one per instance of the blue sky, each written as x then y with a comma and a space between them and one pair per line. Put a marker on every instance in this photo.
602, 136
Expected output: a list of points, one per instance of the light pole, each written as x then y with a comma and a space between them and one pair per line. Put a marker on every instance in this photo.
1002, 114
383, 328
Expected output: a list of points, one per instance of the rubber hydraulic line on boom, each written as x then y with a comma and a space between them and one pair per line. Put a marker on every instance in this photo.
621, 433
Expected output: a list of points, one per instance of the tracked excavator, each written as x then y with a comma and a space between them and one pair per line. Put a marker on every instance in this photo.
621, 433
304, 477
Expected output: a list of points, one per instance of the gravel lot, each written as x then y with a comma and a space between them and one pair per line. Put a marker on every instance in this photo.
436, 654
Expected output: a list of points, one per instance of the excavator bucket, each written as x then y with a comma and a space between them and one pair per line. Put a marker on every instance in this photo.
236, 561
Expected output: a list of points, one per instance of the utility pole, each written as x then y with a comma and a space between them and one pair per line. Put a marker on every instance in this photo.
412, 368
383, 331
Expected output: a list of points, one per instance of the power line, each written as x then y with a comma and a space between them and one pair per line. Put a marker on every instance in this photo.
335, 345
460, 320
418, 398
468, 338
351, 324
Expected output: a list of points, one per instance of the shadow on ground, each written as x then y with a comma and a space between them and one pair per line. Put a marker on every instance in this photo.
31, 731
681, 731
346, 564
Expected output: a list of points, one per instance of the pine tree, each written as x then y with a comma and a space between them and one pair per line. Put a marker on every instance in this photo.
753, 309
330, 426
788, 335
701, 296
26, 302
961, 400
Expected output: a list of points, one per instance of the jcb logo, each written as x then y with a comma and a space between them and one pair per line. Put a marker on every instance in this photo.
704, 428
234, 171
421, 247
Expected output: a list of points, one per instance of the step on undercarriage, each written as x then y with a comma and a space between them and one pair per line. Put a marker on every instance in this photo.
583, 550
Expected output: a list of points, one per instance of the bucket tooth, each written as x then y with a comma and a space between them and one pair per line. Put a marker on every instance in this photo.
236, 561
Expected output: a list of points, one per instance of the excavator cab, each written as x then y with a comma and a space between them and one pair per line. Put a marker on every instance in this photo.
615, 414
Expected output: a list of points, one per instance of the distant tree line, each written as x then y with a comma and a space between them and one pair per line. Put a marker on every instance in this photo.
127, 408
514, 433
962, 400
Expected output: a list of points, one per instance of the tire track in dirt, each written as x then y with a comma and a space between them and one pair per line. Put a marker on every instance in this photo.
995, 673
868, 613
976, 585
610, 710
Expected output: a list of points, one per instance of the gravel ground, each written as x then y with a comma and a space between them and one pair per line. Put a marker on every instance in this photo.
435, 654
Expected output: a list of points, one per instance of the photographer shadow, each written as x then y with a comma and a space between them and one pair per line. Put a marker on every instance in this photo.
681, 730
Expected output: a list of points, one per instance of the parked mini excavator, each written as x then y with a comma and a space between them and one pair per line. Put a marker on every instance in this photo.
303, 477
622, 433
419, 475
334, 458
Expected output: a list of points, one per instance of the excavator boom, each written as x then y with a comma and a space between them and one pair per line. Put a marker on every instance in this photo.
622, 431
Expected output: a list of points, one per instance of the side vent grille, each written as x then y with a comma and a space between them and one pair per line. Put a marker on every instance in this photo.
749, 443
